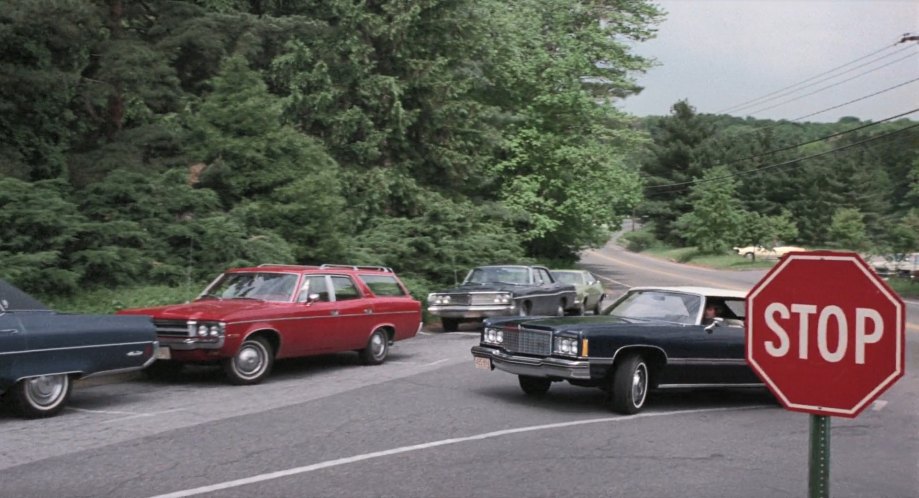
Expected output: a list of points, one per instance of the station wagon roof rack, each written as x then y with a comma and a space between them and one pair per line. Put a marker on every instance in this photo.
283, 264
384, 269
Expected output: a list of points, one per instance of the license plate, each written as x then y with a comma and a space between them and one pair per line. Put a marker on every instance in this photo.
163, 353
483, 363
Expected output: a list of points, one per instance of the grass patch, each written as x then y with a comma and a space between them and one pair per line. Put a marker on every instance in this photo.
718, 261
906, 287
111, 300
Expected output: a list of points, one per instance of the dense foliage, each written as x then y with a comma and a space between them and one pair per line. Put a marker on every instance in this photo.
159, 141
716, 181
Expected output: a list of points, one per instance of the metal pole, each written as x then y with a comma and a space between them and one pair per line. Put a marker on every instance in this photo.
818, 483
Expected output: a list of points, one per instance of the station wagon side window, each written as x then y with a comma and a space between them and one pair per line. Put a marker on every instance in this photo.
345, 289
383, 285
314, 285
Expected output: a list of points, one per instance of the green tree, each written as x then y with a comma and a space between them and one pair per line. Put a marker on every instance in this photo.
847, 229
717, 217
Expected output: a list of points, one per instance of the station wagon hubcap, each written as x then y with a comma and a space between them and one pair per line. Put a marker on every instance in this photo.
250, 360
46, 390
639, 384
377, 345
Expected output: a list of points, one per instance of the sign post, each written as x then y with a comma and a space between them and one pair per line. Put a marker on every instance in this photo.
827, 336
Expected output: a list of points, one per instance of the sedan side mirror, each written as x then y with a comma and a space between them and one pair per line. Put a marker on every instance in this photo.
716, 322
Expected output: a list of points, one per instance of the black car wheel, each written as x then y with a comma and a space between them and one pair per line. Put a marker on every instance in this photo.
377, 348
534, 386
630, 384
450, 324
251, 364
42, 396
523, 309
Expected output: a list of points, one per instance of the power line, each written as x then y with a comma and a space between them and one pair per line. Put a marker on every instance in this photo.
786, 163
743, 104
783, 94
850, 102
859, 75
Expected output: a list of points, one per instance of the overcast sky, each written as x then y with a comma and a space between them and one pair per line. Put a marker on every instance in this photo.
721, 53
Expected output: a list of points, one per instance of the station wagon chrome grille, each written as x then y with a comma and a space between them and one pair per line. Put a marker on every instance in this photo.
528, 341
173, 328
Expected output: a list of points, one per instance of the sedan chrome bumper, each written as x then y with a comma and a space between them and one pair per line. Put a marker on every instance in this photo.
471, 311
534, 367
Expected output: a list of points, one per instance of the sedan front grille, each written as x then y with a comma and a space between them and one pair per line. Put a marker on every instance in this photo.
171, 328
459, 299
528, 341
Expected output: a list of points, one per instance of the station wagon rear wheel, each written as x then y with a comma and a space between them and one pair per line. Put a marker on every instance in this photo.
630, 384
251, 364
42, 396
377, 348
534, 386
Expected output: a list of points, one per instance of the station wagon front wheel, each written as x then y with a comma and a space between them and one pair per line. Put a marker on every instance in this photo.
630, 384
42, 396
377, 348
251, 363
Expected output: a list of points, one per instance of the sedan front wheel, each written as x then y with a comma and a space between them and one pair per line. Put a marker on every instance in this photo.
42, 396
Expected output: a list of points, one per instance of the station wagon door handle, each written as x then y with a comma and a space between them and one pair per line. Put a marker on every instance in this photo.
368, 310
9, 331
334, 312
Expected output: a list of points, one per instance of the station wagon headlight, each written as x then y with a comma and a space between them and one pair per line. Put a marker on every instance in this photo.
494, 336
209, 330
566, 346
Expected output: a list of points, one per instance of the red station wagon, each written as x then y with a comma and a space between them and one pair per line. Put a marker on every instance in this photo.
248, 317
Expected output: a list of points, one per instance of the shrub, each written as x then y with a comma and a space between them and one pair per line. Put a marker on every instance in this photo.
639, 241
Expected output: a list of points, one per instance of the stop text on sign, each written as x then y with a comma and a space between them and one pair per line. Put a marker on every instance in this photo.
831, 323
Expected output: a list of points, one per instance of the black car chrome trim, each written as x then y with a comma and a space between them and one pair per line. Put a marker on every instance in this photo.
536, 367
72, 372
639, 346
706, 361
76, 347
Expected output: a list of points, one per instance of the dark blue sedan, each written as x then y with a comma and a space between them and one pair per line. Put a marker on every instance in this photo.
42, 352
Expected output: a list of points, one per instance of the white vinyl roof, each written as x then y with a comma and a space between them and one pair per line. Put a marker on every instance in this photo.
702, 291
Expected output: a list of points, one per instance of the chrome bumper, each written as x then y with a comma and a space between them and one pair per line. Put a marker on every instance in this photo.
471, 311
534, 367
188, 343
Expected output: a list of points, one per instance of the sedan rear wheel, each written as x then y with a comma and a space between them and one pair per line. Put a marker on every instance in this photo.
560, 311
251, 364
534, 386
630, 384
42, 396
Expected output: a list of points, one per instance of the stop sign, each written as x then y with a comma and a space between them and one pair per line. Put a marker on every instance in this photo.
825, 333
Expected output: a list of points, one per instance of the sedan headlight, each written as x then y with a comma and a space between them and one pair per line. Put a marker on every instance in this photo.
208, 330
493, 336
566, 346
438, 299
503, 298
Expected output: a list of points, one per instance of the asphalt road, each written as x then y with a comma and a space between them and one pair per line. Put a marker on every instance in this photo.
426, 423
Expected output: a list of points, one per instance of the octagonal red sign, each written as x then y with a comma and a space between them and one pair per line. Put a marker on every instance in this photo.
825, 333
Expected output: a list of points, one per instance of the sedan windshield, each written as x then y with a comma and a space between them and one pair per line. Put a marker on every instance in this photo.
262, 286
499, 274
659, 306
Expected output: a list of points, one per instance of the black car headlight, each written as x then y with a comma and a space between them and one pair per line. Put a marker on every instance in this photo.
493, 336
438, 299
567, 346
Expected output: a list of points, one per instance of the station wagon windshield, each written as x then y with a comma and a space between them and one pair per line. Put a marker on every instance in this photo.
659, 306
261, 286
499, 274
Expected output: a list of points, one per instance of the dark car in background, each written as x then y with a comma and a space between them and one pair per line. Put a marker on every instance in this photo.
502, 290
42, 352
651, 338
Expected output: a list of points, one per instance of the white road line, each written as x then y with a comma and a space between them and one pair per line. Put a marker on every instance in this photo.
613, 281
106, 412
435, 362
879, 405
406, 449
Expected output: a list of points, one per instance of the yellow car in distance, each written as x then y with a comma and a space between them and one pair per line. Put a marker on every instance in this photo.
754, 252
